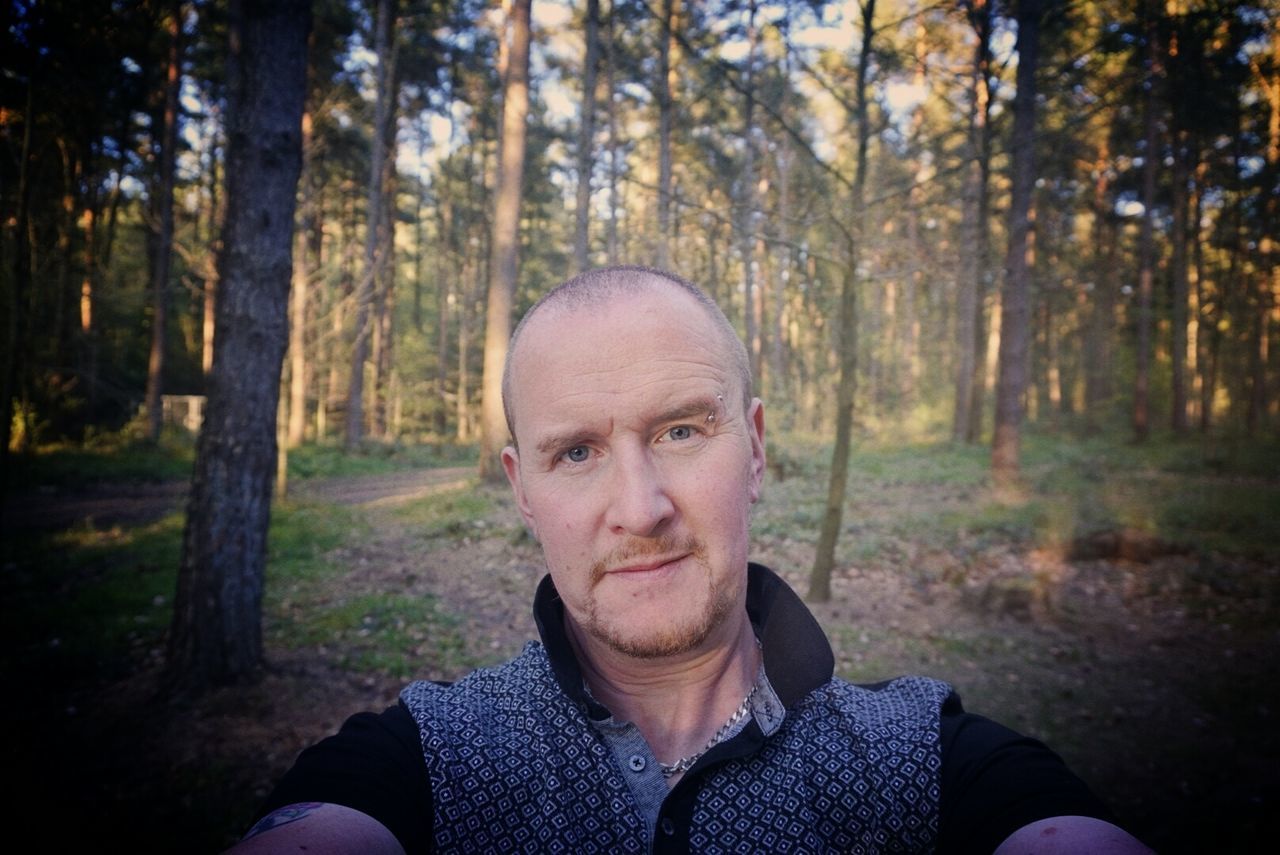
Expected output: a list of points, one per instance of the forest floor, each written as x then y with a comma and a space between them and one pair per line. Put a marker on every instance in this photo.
1149, 665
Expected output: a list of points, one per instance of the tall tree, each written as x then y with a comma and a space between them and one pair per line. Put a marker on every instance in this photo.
586, 137
824, 557
1146, 237
162, 220
973, 271
384, 110
503, 264
1015, 302
217, 622
666, 108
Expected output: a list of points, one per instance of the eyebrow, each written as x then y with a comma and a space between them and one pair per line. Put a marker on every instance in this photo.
683, 410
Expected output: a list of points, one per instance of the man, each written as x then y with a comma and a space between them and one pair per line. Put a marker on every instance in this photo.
681, 699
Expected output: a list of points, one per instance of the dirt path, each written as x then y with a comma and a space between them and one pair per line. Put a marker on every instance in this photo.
105, 505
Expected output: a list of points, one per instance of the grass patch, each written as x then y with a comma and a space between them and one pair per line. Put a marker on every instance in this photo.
90, 603
333, 461
85, 602
123, 456
460, 512
395, 634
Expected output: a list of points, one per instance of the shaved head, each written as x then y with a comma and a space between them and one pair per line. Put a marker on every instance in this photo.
597, 288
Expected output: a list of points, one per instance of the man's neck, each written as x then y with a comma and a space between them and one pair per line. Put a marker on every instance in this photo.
678, 703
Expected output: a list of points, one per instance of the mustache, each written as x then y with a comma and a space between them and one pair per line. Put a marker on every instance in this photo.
645, 548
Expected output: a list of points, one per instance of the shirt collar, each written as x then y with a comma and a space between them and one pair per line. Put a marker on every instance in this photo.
797, 656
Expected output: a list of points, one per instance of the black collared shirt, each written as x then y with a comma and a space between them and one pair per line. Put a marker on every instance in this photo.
994, 781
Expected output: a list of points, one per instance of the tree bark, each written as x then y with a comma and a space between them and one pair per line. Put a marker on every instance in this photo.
216, 636
747, 224
298, 371
973, 267
384, 108
1146, 239
824, 558
1015, 301
615, 155
586, 138
503, 266
162, 253
1181, 286
665, 109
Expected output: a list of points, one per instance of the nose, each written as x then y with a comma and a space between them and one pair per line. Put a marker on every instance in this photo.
639, 503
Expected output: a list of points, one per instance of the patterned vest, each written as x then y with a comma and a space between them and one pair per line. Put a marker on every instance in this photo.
516, 766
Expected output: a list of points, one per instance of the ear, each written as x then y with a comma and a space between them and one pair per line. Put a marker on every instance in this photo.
755, 422
511, 465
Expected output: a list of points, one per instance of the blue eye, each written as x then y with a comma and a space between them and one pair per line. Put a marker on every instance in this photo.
680, 433
577, 454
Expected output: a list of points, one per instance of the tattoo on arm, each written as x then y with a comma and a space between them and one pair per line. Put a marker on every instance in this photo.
283, 816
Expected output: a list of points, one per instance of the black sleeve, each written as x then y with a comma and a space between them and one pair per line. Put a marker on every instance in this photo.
374, 764
995, 781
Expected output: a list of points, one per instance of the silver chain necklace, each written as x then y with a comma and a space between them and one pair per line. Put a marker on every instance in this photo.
684, 764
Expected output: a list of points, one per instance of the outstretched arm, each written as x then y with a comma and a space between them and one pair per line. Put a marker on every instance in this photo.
318, 828
1064, 835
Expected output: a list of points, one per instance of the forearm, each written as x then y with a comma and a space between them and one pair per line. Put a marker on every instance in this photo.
318, 828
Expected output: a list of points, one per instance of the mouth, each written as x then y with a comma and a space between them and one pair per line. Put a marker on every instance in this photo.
647, 566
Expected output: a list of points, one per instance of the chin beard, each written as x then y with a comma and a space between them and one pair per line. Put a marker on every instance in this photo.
665, 641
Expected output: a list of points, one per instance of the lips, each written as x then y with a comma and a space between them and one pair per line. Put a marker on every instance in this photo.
646, 567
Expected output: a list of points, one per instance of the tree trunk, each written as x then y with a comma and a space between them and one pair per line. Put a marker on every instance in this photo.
973, 268
1181, 288
217, 624
1146, 238
505, 244
824, 558
162, 256
1268, 279
1016, 296
298, 295
586, 138
665, 109
1100, 316
747, 224
615, 154
384, 110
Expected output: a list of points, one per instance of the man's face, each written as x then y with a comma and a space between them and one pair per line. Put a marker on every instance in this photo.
637, 467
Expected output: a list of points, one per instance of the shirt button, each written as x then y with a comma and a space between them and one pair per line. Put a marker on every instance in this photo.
668, 827
636, 762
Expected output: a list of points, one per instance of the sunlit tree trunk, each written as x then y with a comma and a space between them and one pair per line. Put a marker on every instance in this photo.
586, 137
162, 246
833, 516
384, 108
666, 107
217, 622
1268, 280
1099, 321
615, 154
503, 265
972, 287
1015, 303
1181, 286
298, 293
747, 190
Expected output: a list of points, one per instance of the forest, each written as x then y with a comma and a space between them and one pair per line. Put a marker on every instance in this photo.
984, 254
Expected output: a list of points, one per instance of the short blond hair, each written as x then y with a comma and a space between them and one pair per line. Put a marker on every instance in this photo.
595, 288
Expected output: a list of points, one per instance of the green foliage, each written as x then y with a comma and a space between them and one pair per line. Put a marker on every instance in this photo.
375, 458
453, 513
113, 456
937, 495
396, 634
87, 602
93, 603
